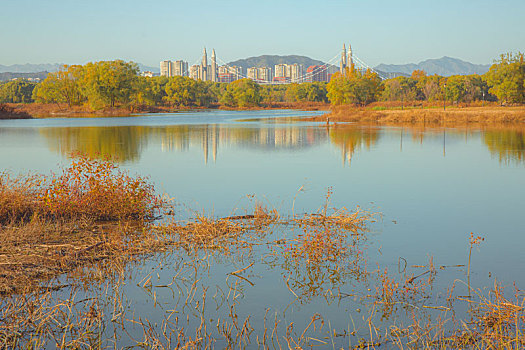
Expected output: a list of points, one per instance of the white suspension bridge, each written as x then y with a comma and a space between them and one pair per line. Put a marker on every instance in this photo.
327, 68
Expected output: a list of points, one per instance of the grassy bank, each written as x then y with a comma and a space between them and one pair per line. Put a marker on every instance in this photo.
389, 114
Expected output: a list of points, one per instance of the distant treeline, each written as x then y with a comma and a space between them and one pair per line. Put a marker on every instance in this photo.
117, 83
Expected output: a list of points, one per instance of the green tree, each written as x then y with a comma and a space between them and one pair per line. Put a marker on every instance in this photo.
355, 86
242, 93
181, 91
506, 78
108, 83
455, 88
17, 91
63, 86
400, 89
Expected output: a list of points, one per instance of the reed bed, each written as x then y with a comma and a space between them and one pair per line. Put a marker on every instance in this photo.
450, 116
51, 224
85, 255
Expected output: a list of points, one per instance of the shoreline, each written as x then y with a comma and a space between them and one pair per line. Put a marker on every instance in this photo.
38, 110
450, 116
378, 113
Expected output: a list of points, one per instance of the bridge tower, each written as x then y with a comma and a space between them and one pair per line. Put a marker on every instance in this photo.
213, 72
204, 66
342, 64
350, 60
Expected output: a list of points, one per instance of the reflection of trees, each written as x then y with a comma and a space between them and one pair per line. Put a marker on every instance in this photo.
507, 143
123, 143
351, 138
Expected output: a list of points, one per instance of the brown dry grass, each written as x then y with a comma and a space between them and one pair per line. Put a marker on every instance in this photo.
452, 115
52, 224
50, 110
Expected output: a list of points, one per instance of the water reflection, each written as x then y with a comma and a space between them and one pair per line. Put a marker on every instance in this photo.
507, 144
352, 138
127, 143
123, 143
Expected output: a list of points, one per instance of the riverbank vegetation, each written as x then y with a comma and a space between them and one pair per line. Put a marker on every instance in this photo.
115, 87
74, 244
52, 224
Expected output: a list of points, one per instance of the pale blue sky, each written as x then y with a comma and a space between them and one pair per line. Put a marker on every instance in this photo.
380, 31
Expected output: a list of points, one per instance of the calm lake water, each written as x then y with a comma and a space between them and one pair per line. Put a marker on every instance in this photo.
433, 186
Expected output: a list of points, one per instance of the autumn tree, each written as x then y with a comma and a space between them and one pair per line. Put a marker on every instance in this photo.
355, 86
400, 89
63, 86
311, 92
506, 78
242, 93
17, 91
108, 83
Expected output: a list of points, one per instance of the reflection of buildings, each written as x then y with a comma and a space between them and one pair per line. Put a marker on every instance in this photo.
211, 137
125, 143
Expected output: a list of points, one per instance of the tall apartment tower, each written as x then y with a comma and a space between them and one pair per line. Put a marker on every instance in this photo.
165, 68
342, 64
179, 68
213, 72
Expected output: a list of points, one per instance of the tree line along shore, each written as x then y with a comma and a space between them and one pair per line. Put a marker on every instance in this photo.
116, 88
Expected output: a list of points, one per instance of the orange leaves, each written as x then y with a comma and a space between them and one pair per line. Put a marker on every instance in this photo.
88, 187
99, 189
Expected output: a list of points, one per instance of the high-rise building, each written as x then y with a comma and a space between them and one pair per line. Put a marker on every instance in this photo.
264, 74
227, 74
165, 68
172, 68
252, 73
296, 73
195, 71
280, 70
289, 73
179, 68
317, 73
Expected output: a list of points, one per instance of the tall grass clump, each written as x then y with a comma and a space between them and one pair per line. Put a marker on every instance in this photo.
90, 188
90, 211
101, 190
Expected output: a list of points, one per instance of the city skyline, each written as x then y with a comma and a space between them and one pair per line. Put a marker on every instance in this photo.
280, 73
381, 32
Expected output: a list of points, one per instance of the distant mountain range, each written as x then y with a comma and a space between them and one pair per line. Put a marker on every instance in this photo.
445, 66
30, 68
272, 60
52, 67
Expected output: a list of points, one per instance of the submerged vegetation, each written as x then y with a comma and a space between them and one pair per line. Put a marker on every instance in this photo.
79, 246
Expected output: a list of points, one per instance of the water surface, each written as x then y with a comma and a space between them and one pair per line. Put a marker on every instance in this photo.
432, 185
